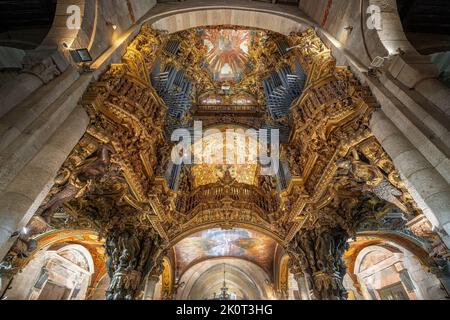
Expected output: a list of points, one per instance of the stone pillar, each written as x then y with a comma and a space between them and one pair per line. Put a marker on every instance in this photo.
152, 281
303, 288
319, 254
428, 188
442, 272
132, 255
21, 198
39, 68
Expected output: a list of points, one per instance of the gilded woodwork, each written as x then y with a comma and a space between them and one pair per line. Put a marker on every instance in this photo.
329, 138
113, 180
167, 281
283, 278
329, 126
113, 170
343, 176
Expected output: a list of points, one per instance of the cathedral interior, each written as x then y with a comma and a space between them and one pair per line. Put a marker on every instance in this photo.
224, 150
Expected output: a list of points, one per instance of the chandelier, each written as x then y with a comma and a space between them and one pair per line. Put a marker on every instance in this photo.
224, 295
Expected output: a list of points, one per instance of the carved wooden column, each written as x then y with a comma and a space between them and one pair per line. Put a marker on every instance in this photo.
132, 255
319, 254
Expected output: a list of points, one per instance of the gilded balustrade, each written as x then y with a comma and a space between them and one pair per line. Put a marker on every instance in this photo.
238, 194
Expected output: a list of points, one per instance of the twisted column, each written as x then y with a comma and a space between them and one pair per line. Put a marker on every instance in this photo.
319, 253
132, 255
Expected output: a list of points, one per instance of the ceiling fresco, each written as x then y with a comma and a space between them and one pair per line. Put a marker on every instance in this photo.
214, 243
227, 55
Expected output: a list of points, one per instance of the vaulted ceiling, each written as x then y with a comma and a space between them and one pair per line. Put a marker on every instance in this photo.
25, 23
425, 16
217, 243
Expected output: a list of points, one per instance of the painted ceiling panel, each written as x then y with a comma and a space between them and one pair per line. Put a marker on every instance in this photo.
214, 243
227, 53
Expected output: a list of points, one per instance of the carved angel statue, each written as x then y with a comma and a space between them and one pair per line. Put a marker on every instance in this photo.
374, 181
294, 158
75, 184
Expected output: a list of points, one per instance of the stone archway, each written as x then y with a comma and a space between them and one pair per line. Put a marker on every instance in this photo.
409, 255
198, 16
60, 272
412, 69
380, 268
83, 243
209, 250
391, 33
